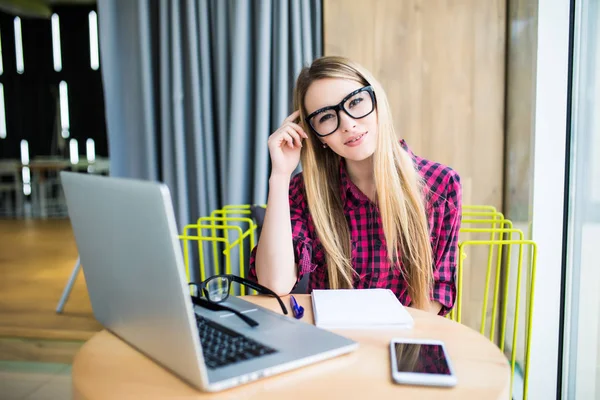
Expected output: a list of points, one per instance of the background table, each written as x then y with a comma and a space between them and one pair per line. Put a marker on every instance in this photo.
108, 368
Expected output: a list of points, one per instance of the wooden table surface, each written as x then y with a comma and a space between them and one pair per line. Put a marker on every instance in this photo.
108, 368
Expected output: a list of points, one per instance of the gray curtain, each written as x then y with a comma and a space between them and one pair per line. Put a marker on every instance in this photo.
194, 88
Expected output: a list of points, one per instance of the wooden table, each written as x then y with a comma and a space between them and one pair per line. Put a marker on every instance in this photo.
108, 368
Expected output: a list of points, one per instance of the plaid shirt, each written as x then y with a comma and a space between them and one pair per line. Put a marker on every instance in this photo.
369, 252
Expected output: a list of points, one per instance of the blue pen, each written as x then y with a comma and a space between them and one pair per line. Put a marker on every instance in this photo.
297, 310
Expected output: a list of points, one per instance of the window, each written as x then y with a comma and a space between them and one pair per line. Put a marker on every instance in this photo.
581, 359
94, 53
19, 46
51, 84
56, 53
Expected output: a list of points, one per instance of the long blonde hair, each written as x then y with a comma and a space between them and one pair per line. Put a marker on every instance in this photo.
400, 195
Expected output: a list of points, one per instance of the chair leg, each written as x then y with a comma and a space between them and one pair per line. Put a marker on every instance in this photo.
67, 290
19, 196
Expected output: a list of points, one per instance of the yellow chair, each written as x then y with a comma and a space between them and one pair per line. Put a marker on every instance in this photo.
486, 220
482, 216
478, 207
523, 263
230, 228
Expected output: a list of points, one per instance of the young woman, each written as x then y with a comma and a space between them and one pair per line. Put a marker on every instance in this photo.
365, 212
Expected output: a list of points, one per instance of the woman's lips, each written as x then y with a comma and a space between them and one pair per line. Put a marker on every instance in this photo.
356, 140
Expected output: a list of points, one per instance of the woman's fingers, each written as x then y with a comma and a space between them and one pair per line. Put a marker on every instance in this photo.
298, 129
290, 132
296, 138
289, 121
292, 117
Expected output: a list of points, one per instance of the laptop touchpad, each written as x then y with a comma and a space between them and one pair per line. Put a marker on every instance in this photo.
236, 304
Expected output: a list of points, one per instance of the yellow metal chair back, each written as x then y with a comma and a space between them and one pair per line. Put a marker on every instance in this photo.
499, 306
482, 217
481, 221
230, 228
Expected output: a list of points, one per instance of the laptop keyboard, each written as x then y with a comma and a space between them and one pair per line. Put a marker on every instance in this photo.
222, 346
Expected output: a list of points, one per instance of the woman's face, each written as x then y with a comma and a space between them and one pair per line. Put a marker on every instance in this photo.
355, 138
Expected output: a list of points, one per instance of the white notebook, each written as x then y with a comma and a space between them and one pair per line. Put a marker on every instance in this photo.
359, 309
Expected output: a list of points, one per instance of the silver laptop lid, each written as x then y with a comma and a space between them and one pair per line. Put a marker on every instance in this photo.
126, 234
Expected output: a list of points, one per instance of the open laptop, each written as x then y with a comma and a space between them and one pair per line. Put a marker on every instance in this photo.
133, 265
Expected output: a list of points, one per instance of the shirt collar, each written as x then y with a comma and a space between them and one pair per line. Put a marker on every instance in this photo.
408, 150
350, 193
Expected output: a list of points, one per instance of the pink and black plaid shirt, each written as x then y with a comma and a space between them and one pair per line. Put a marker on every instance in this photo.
369, 252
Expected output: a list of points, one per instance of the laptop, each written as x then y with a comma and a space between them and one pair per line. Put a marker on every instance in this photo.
132, 260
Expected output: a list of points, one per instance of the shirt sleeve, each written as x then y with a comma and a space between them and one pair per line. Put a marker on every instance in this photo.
445, 248
302, 237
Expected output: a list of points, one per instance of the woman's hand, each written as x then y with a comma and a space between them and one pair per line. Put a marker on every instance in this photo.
285, 145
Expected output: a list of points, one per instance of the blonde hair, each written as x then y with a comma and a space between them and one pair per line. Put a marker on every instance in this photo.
399, 190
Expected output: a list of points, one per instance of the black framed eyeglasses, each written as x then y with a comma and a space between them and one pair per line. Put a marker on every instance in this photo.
216, 290
358, 104
209, 305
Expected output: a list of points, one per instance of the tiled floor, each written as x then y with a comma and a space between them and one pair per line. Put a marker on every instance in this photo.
34, 381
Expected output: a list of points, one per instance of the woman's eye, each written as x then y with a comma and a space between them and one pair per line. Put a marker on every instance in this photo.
325, 118
355, 102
